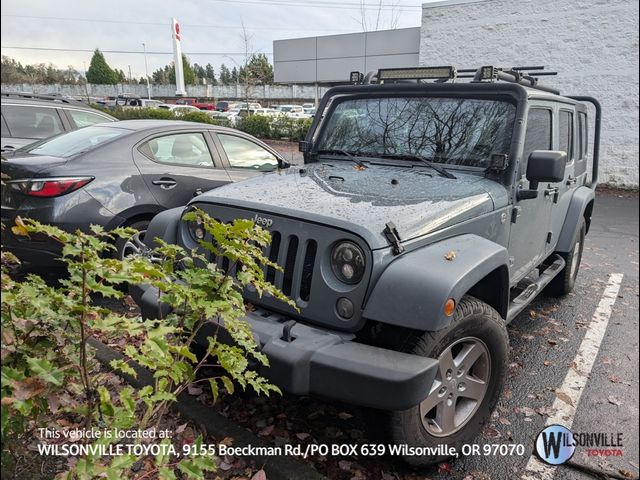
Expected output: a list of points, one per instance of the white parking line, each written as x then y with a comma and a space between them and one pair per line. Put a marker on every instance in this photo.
577, 376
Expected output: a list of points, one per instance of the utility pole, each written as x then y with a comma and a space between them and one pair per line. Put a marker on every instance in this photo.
146, 70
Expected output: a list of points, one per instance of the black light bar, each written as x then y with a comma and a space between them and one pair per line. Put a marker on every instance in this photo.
416, 73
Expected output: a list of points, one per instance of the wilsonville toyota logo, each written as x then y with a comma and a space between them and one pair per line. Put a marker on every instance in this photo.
556, 444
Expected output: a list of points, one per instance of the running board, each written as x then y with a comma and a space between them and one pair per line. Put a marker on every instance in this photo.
519, 303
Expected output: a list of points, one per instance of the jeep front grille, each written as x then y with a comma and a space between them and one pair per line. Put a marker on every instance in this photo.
301, 248
297, 260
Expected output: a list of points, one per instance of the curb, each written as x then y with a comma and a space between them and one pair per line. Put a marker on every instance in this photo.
276, 468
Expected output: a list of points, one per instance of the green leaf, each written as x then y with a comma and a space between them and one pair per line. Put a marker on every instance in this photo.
214, 389
124, 367
228, 384
191, 469
163, 454
165, 473
45, 370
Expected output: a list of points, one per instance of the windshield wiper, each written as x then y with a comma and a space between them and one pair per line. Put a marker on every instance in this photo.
350, 155
436, 166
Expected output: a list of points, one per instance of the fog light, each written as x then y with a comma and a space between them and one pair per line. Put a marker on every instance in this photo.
344, 307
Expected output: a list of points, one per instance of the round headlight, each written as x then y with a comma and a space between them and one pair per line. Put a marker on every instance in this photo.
196, 230
347, 262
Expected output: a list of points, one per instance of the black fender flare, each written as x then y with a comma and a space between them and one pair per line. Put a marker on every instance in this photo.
412, 291
580, 201
164, 226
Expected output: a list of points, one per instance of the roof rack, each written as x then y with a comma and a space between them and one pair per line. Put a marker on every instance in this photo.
40, 96
522, 75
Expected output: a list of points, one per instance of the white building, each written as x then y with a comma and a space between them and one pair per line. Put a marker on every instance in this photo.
592, 44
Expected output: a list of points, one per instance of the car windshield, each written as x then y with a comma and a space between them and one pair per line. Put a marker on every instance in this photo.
72, 143
453, 131
285, 108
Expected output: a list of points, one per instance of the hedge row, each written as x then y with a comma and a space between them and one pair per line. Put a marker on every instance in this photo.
280, 127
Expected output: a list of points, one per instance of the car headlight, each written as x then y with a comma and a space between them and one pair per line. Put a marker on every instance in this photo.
347, 262
196, 230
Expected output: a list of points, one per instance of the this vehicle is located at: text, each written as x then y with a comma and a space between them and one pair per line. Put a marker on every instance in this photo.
426, 217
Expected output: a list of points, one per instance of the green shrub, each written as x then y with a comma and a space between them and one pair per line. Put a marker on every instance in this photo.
48, 371
260, 126
256, 125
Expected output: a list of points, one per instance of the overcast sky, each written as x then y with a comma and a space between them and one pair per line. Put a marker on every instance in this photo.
207, 26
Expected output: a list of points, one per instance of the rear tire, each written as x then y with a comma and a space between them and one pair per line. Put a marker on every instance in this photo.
564, 282
132, 246
473, 352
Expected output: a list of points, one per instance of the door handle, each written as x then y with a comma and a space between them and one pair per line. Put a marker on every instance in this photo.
165, 183
552, 191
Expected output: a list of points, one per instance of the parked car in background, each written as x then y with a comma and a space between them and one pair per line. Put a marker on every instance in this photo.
231, 114
142, 103
311, 111
27, 118
194, 102
308, 105
267, 112
178, 109
294, 111
121, 174
224, 106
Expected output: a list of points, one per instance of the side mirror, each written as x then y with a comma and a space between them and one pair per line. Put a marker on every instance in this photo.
543, 166
282, 163
546, 166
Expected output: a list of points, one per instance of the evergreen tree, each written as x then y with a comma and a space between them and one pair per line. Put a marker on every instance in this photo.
99, 71
210, 74
225, 75
258, 70
234, 75
189, 75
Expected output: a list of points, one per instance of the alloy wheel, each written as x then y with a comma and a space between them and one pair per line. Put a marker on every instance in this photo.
460, 386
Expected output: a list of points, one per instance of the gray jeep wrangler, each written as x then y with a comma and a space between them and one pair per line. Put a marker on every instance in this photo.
427, 215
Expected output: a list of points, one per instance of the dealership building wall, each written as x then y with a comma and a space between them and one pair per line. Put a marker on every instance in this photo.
592, 44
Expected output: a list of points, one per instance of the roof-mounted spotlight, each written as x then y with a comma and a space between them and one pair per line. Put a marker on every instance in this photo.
356, 77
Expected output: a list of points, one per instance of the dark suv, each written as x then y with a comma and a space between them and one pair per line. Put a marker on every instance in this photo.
27, 118
427, 216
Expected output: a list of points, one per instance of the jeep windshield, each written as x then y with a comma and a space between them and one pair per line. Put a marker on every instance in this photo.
452, 131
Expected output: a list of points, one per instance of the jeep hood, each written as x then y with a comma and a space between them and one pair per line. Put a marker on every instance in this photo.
416, 199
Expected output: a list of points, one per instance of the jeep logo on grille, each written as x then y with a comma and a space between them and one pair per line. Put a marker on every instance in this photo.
262, 221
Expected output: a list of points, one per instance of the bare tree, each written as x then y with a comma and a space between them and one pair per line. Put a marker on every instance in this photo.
377, 21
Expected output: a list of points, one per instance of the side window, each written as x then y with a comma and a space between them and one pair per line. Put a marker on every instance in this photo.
538, 134
583, 135
243, 153
83, 118
32, 122
188, 149
566, 134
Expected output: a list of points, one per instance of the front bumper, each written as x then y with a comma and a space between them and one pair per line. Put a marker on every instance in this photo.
326, 363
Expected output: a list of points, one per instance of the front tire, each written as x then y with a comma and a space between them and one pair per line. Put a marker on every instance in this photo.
472, 353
